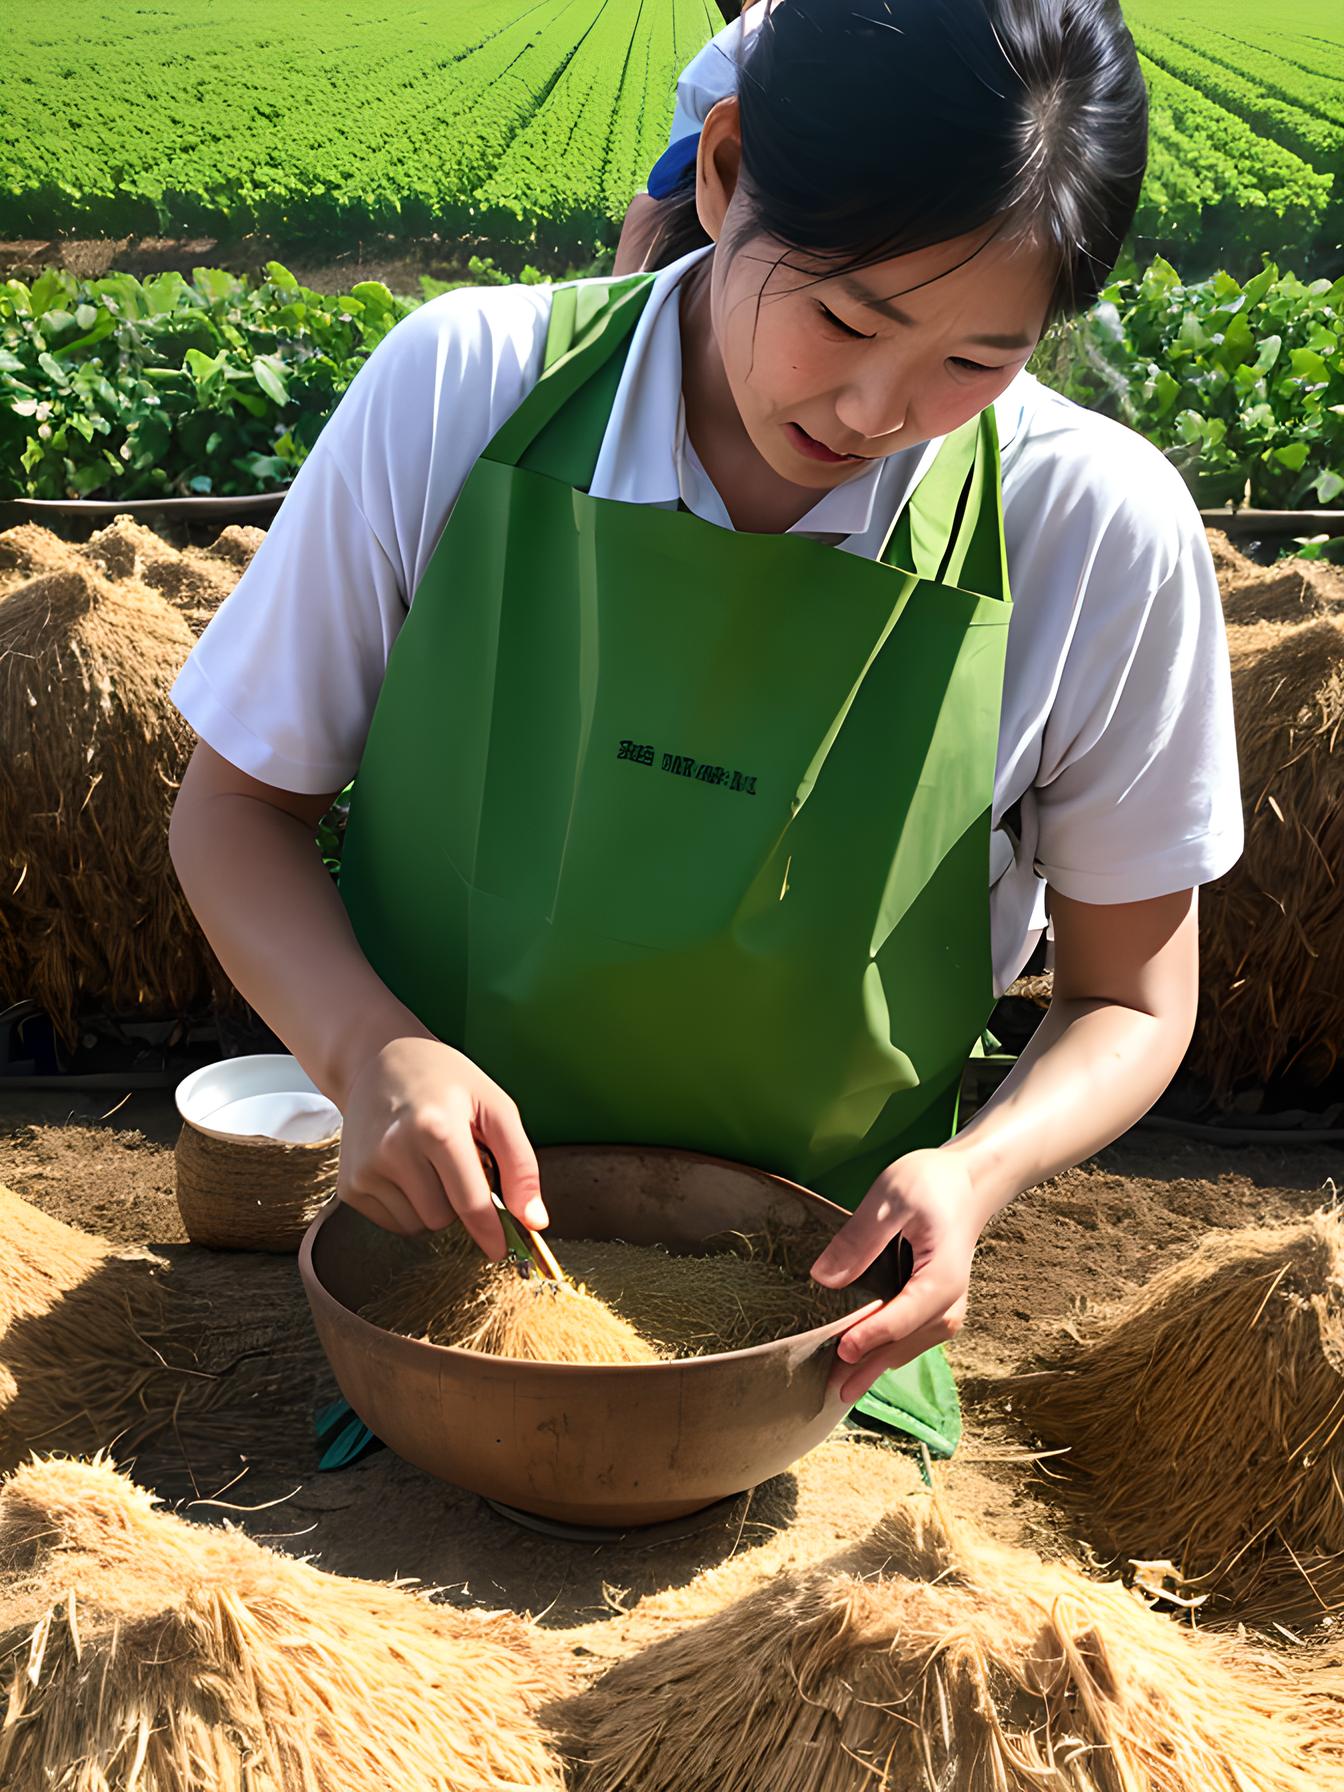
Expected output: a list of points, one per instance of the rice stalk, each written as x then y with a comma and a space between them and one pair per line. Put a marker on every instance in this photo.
146, 1654
634, 1303
1203, 1418
942, 1660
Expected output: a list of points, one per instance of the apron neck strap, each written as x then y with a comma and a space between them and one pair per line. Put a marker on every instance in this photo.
951, 531
558, 429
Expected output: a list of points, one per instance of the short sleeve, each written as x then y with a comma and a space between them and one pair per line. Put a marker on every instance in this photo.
1138, 793
284, 680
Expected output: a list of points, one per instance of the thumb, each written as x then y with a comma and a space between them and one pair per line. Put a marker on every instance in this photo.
860, 1242
519, 1175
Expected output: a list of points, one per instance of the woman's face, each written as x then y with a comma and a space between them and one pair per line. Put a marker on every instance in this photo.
828, 375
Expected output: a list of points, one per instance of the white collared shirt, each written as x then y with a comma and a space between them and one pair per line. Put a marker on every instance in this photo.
1116, 742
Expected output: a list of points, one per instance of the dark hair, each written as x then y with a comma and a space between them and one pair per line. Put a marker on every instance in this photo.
873, 128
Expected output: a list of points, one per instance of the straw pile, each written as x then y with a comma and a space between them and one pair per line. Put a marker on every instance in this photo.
1288, 591
146, 1654
193, 580
1204, 1419
634, 1304
91, 755
82, 1331
100, 1347
937, 1658
1272, 930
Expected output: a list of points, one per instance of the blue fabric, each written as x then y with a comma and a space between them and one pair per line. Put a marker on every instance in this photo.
671, 168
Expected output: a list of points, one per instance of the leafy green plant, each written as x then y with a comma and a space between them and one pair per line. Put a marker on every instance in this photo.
483, 272
123, 389
118, 388
1242, 386
331, 831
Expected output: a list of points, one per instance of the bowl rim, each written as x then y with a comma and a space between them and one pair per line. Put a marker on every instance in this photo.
499, 1366
298, 1083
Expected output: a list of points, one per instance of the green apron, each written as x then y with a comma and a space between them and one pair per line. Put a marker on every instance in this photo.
681, 834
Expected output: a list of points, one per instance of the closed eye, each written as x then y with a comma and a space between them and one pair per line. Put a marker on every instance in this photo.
839, 324
973, 366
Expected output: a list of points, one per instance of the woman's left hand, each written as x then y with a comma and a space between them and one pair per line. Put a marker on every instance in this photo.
928, 1196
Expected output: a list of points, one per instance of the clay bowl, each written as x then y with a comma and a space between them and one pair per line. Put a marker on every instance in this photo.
634, 1444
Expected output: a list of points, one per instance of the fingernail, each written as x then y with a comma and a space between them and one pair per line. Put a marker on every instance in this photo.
536, 1216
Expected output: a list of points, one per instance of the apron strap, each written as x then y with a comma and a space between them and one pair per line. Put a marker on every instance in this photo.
951, 531
977, 558
558, 429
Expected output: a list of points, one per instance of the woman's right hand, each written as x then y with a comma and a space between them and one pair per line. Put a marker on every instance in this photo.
412, 1117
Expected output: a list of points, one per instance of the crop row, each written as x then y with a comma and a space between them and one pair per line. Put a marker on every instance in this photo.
1317, 140
292, 122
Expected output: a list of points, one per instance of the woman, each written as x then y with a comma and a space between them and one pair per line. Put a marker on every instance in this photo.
705, 795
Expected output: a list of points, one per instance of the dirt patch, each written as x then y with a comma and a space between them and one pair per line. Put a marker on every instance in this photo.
397, 263
118, 1185
1100, 1230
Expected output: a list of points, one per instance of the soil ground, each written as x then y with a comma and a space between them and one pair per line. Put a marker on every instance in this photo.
398, 264
1081, 1240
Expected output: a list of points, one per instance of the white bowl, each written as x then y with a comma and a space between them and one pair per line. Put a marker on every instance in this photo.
266, 1096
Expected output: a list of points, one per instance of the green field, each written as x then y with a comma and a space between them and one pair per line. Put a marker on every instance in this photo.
310, 121
510, 118
1247, 146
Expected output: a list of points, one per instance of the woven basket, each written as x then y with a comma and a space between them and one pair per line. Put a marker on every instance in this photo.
251, 1194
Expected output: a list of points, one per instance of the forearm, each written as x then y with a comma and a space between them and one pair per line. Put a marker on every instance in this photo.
267, 905
1092, 1069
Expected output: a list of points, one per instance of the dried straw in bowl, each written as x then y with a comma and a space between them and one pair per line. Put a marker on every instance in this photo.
458, 1297
942, 1660
1204, 1420
145, 1654
635, 1303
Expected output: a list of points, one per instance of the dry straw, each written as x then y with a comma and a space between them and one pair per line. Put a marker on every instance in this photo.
83, 1328
1272, 930
100, 1348
194, 580
1289, 591
938, 1659
146, 1654
458, 1297
91, 755
635, 1303
1204, 1420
